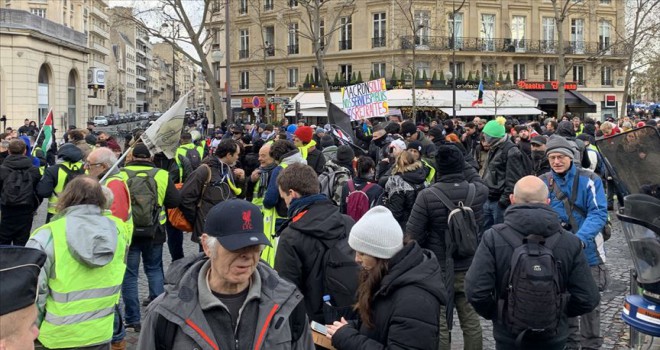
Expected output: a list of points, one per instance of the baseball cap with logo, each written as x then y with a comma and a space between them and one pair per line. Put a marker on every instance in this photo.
237, 224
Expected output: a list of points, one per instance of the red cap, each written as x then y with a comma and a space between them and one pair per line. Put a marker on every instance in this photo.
640, 124
304, 133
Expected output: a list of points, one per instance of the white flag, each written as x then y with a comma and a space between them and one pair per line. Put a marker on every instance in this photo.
165, 133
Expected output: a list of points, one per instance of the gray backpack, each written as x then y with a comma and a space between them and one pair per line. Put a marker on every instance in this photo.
462, 228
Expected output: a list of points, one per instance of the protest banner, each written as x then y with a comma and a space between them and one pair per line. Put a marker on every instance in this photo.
365, 100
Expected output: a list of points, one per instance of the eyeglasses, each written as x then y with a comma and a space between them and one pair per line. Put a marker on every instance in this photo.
89, 165
559, 157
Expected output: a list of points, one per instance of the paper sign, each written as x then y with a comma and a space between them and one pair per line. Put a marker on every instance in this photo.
365, 100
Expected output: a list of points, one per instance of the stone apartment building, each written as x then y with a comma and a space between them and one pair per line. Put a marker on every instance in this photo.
493, 39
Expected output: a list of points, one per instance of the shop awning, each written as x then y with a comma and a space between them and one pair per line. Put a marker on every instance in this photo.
309, 112
478, 112
575, 101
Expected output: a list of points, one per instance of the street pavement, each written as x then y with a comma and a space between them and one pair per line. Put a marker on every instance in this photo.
615, 331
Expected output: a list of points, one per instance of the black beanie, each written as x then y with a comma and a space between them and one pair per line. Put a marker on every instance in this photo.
345, 154
408, 128
449, 160
438, 133
327, 141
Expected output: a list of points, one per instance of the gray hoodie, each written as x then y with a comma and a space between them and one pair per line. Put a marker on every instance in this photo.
90, 237
265, 317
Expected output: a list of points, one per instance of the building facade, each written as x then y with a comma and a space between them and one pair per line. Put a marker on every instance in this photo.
97, 25
43, 64
492, 39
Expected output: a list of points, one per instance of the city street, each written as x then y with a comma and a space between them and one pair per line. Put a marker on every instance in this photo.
612, 327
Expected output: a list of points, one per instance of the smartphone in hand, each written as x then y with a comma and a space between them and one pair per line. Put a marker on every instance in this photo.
319, 328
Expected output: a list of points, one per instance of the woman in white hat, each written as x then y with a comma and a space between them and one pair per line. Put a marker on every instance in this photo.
400, 290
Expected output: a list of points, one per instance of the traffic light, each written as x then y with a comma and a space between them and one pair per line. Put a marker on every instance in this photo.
271, 106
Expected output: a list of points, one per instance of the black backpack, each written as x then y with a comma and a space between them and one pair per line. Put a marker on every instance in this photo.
527, 162
71, 173
145, 210
462, 228
340, 275
18, 188
534, 296
195, 160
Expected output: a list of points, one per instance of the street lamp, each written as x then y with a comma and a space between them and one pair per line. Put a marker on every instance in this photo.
450, 76
216, 57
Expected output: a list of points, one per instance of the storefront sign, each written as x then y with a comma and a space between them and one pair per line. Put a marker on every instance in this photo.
236, 103
545, 85
365, 100
253, 102
610, 101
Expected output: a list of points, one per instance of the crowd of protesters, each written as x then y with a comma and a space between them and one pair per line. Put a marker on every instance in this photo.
274, 207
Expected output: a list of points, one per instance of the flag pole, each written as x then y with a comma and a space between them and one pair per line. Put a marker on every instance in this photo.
39, 134
116, 165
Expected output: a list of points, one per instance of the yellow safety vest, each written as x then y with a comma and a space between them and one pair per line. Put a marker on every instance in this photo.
161, 178
200, 148
270, 217
430, 178
80, 306
128, 223
304, 149
61, 179
182, 151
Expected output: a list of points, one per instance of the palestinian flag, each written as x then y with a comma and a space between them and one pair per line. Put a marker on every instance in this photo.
480, 98
47, 131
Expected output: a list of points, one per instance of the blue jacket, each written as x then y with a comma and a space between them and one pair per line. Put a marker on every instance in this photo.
590, 197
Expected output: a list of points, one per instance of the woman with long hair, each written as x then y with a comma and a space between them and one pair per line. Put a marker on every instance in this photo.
400, 291
408, 176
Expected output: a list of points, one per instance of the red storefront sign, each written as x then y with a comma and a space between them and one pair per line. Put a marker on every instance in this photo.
610, 101
545, 85
253, 102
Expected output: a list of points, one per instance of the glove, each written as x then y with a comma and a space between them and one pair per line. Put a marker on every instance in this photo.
503, 203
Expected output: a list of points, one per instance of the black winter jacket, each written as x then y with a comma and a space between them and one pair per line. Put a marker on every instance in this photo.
428, 220
316, 160
485, 277
216, 191
402, 189
300, 250
503, 171
405, 309
15, 162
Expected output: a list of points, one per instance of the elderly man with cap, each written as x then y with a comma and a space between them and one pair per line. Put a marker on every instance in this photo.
578, 198
303, 139
227, 298
19, 273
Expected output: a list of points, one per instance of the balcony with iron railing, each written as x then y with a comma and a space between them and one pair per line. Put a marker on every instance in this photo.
243, 54
23, 20
468, 44
378, 42
293, 49
345, 45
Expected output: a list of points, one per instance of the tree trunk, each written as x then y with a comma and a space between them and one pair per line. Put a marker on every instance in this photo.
319, 53
215, 92
561, 68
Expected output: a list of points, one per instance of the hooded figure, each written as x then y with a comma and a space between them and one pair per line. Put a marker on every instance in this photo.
56, 177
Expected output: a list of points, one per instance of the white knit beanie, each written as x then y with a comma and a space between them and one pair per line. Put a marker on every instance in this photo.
377, 234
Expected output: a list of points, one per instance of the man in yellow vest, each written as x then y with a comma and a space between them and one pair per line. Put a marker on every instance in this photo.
56, 177
19, 273
151, 191
303, 139
198, 196
80, 283
261, 178
188, 150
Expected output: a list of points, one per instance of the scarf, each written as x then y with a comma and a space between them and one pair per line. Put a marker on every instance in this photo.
264, 178
298, 204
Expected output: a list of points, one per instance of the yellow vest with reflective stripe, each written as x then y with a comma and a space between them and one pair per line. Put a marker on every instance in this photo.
161, 178
80, 306
270, 217
200, 149
128, 223
431, 176
182, 151
304, 149
61, 179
